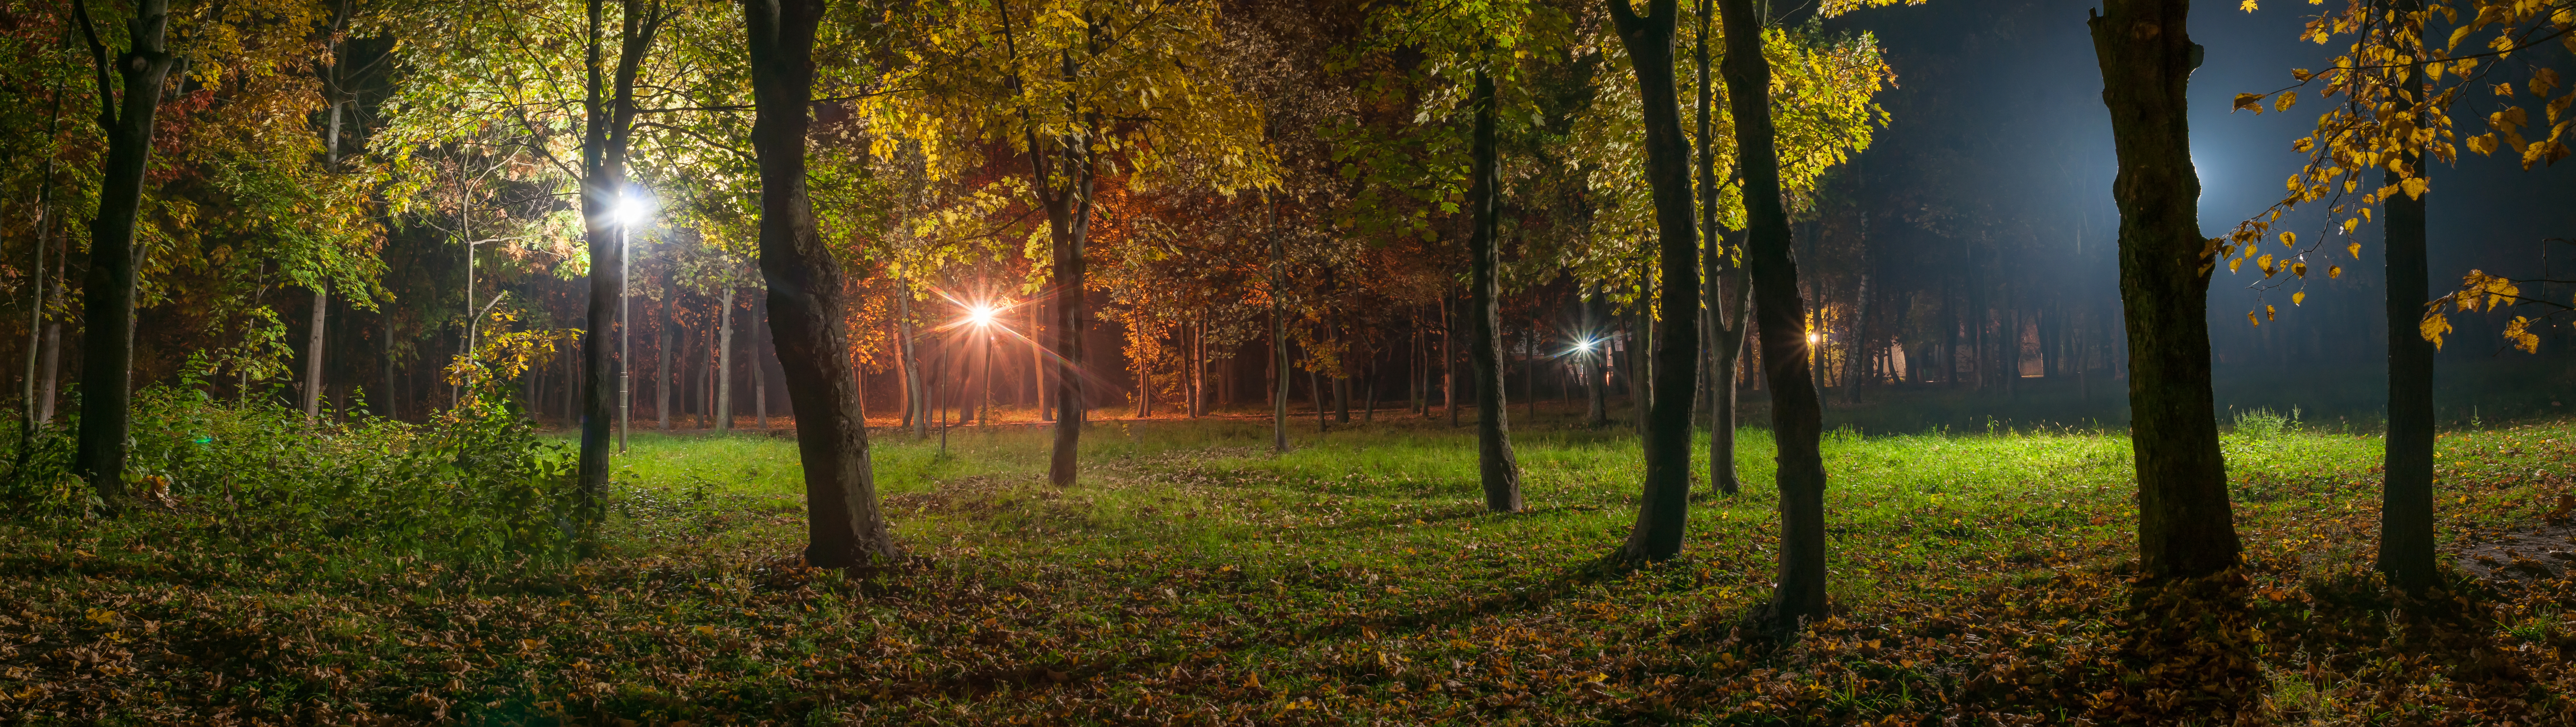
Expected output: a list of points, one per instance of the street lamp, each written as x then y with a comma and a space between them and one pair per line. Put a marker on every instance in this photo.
981, 315
632, 208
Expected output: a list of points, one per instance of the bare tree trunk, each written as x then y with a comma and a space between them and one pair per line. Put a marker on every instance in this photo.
108, 291
844, 527
1664, 510
1797, 415
1496, 468
2185, 527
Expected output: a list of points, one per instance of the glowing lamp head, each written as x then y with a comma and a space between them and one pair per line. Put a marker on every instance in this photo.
631, 210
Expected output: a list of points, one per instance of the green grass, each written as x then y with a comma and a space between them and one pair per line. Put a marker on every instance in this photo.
1194, 577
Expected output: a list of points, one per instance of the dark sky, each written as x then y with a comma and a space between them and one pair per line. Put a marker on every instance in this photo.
2010, 91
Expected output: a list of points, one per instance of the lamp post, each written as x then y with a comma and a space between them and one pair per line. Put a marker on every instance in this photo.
981, 314
629, 210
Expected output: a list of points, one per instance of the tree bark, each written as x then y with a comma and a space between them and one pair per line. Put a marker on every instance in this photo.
806, 285
1496, 468
107, 355
2406, 490
2185, 528
1797, 415
1664, 511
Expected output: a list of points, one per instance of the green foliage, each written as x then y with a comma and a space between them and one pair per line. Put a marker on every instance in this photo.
473, 486
2262, 423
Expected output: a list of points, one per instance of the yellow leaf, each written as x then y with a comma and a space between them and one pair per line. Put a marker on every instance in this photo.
2301, 270
2414, 187
2432, 328
2289, 239
2250, 101
2267, 312
2265, 263
2334, 271
2519, 331
2350, 224
2297, 297
2285, 101
2247, 6
2249, 318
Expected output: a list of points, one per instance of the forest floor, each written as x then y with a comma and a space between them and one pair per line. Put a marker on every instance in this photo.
1195, 578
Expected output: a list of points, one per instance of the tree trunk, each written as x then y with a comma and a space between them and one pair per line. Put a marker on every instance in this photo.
1737, 293
2185, 528
724, 361
668, 346
1278, 335
1797, 416
313, 354
610, 109
1664, 511
807, 313
1496, 468
759, 369
1449, 360
2406, 490
108, 289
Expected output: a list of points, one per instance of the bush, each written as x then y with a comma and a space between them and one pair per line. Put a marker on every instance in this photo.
473, 486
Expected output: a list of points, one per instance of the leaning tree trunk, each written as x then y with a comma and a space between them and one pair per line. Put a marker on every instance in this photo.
1797, 417
107, 355
806, 286
1278, 334
760, 373
2185, 528
1495, 467
2406, 490
1664, 511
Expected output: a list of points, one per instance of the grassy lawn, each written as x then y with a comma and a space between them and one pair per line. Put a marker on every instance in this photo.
1193, 577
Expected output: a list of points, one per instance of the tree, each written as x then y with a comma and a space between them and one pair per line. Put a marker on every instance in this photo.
2185, 527
608, 104
806, 285
1081, 89
1664, 513
1797, 416
2399, 93
142, 69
